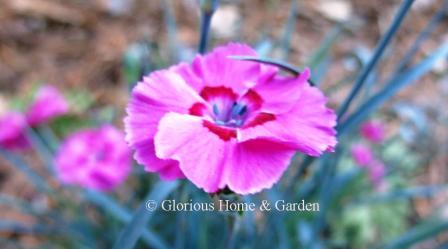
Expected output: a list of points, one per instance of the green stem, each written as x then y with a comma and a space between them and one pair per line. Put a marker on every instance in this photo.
208, 8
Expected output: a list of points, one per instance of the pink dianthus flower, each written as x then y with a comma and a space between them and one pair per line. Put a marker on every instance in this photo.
94, 158
373, 131
222, 122
361, 154
377, 171
48, 103
12, 127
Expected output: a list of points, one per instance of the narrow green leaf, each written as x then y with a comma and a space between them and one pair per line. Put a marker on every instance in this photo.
208, 8
430, 27
264, 47
392, 87
385, 40
320, 71
35, 179
403, 194
9, 243
131, 233
42, 149
324, 47
17, 204
49, 137
22, 228
170, 24
289, 30
122, 214
419, 233
280, 64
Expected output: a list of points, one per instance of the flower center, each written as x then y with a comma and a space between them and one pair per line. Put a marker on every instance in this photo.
227, 111
233, 117
225, 107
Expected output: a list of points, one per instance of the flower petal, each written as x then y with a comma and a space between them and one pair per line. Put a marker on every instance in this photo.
200, 153
48, 103
218, 69
256, 164
211, 162
189, 75
152, 98
362, 154
280, 93
377, 171
94, 158
171, 172
157, 94
309, 125
12, 131
374, 131
146, 156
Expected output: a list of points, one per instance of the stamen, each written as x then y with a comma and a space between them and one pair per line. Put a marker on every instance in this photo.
215, 109
238, 122
220, 122
243, 110
228, 109
238, 110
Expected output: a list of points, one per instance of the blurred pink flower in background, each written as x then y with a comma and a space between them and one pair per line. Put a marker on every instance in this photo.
222, 122
48, 103
94, 158
377, 170
361, 154
12, 127
374, 131
364, 157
